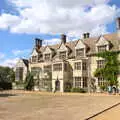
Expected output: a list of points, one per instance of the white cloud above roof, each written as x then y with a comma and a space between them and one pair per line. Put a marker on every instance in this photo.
72, 17
17, 52
9, 62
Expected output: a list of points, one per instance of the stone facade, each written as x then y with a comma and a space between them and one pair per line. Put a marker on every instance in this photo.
71, 63
21, 70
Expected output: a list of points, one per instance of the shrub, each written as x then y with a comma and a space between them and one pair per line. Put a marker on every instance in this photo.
67, 89
103, 87
80, 90
6, 85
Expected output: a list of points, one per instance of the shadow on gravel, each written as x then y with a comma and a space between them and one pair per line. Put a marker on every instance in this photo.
7, 95
103, 111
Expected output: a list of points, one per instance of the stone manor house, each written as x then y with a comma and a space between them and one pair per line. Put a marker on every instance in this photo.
68, 63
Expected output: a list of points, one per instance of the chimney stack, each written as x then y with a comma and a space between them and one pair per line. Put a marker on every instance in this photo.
86, 35
63, 38
38, 43
118, 23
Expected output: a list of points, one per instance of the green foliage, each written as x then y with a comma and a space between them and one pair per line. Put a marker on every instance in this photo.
98, 72
19, 82
68, 87
78, 90
103, 87
29, 81
111, 69
7, 76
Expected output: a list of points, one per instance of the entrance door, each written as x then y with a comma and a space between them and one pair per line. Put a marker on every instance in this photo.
57, 85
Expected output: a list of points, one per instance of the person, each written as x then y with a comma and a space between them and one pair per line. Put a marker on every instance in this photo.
114, 89
109, 89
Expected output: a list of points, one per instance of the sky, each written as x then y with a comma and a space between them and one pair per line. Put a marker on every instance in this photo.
21, 21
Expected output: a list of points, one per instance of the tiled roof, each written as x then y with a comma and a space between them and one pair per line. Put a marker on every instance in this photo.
25, 62
90, 43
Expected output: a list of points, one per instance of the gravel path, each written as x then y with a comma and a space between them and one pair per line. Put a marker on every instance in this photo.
45, 106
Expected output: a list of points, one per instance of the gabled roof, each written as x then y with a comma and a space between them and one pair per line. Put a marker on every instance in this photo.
80, 44
49, 48
102, 41
25, 62
34, 51
63, 45
90, 43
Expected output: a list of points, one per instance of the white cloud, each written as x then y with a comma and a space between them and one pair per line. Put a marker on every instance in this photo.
2, 55
9, 62
20, 52
57, 41
8, 21
51, 41
72, 17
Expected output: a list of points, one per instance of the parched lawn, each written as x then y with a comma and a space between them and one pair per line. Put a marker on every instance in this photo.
37, 106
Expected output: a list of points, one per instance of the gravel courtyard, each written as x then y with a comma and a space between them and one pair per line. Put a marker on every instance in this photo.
49, 106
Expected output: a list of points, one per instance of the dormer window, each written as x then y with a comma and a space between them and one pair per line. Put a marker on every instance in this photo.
48, 53
80, 48
62, 55
80, 52
47, 56
34, 58
102, 48
102, 44
39, 57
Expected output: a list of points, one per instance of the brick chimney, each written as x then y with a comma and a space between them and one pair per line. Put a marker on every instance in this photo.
118, 23
63, 38
86, 35
118, 26
38, 43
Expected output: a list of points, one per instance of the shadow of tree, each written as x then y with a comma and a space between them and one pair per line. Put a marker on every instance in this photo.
7, 94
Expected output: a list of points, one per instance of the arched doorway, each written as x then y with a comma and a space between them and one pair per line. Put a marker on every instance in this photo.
57, 85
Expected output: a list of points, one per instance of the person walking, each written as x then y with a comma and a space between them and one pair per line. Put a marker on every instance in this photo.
109, 89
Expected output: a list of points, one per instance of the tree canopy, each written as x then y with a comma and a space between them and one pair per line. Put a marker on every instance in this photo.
7, 76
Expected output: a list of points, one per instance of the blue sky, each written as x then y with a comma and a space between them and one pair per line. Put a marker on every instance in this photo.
21, 21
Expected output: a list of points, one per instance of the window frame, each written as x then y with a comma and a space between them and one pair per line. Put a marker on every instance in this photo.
101, 81
80, 52
100, 64
78, 82
57, 67
34, 59
62, 55
77, 65
47, 56
102, 48
19, 73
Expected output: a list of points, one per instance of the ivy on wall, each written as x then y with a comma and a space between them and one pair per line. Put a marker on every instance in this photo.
111, 68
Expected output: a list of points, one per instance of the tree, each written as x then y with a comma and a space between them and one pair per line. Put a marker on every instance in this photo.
111, 68
7, 76
29, 81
